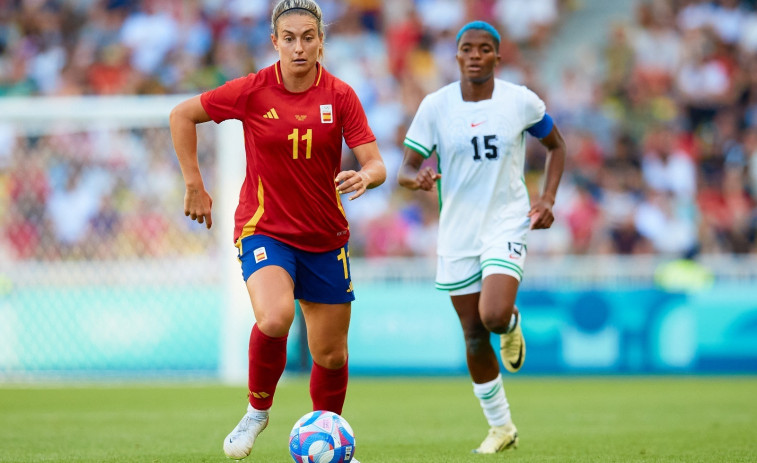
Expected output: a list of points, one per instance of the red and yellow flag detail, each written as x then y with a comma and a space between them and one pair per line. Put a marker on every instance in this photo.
327, 114
260, 255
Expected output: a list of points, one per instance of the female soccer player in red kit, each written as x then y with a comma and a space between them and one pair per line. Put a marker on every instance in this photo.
291, 230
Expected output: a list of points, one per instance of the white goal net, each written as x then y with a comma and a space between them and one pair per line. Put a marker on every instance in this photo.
101, 273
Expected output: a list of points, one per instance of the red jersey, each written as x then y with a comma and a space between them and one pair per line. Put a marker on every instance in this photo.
293, 143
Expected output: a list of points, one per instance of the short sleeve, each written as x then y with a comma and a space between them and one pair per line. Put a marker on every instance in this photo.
420, 134
227, 101
534, 108
355, 128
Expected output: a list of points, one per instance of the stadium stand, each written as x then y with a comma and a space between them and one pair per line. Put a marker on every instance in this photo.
660, 118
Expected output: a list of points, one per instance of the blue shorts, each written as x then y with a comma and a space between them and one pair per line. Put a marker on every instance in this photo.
322, 277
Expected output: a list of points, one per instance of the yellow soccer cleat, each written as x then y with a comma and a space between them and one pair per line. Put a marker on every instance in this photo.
499, 439
513, 348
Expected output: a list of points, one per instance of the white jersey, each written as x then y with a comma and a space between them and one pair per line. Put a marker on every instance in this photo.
481, 150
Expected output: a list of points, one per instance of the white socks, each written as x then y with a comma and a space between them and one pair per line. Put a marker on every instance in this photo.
491, 395
513, 322
257, 413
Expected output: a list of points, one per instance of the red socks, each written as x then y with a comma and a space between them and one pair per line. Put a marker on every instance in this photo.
268, 357
328, 388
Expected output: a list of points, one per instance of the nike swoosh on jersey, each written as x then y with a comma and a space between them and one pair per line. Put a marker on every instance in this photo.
476, 124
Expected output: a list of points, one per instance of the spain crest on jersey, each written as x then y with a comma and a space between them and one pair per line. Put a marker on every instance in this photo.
327, 116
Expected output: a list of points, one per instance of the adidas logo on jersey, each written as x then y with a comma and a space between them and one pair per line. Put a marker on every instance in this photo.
271, 114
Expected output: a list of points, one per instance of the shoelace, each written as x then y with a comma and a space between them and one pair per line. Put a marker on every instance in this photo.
493, 439
493, 435
245, 424
512, 348
248, 421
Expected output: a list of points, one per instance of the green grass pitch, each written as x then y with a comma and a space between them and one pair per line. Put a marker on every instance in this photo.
396, 420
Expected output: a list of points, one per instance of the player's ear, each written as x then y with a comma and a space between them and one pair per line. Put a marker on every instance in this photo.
275, 42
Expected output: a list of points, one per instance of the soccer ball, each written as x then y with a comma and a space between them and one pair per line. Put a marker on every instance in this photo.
322, 437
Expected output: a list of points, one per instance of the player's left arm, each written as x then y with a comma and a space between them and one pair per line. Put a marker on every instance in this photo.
541, 210
372, 171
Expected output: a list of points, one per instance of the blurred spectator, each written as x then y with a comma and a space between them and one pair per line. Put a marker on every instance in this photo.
527, 22
583, 216
150, 33
728, 20
72, 205
619, 59
665, 167
704, 82
401, 38
440, 15
667, 224
111, 73
618, 203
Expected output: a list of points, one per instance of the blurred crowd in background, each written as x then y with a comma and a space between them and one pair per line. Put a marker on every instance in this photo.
660, 119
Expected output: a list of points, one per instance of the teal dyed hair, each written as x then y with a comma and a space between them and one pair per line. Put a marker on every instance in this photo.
480, 25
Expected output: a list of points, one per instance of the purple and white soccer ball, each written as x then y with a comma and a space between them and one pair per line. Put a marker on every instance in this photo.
322, 437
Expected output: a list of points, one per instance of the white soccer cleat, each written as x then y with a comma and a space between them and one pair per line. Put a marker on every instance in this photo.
238, 444
499, 439
513, 348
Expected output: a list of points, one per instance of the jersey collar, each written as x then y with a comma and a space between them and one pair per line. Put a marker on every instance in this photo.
279, 80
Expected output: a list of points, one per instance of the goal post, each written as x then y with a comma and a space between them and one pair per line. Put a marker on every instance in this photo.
238, 318
101, 272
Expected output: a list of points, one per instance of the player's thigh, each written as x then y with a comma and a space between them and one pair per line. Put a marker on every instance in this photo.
327, 327
271, 293
502, 270
498, 294
268, 267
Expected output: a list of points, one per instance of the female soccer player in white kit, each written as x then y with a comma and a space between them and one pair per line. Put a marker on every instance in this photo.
477, 127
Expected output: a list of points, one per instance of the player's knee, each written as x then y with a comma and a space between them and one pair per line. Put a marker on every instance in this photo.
331, 359
475, 344
274, 327
499, 320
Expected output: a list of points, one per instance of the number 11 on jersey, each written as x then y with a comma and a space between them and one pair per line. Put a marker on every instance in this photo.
295, 137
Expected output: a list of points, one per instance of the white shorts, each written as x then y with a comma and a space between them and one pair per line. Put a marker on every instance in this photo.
463, 275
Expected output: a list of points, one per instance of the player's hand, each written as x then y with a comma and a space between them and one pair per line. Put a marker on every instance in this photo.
541, 215
197, 205
350, 181
426, 179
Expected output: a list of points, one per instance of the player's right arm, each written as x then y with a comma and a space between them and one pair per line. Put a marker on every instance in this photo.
419, 145
183, 122
412, 176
